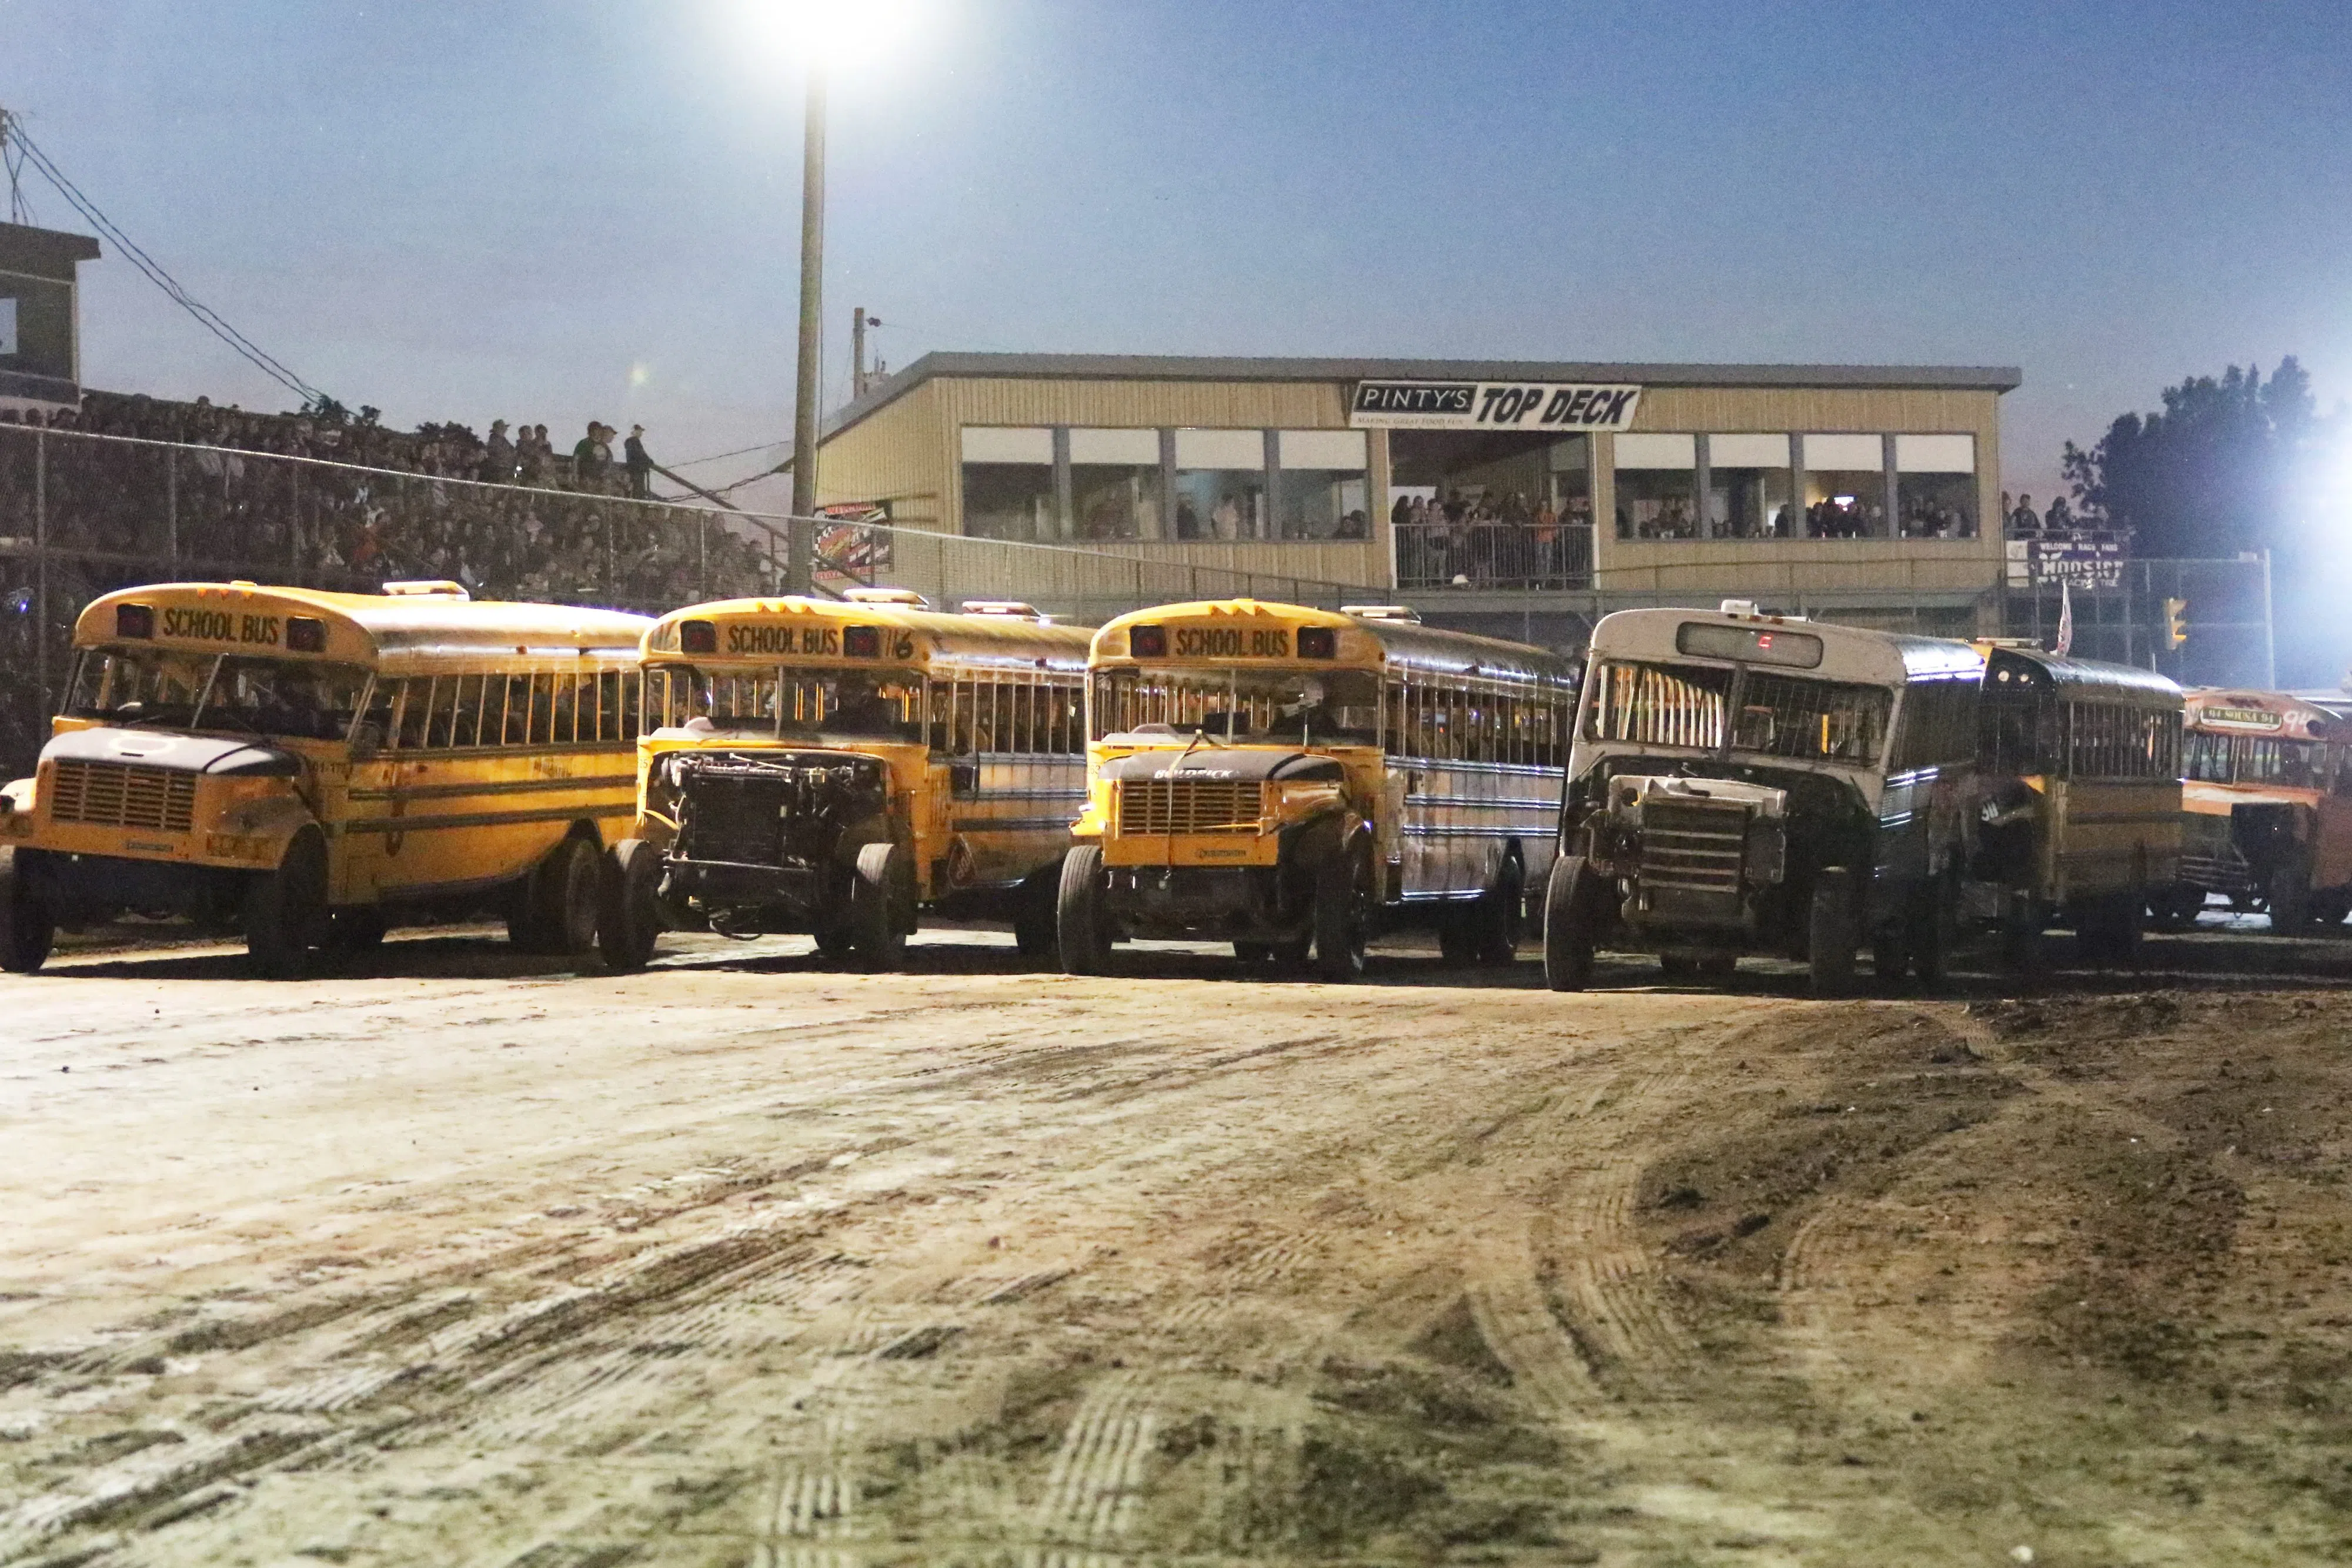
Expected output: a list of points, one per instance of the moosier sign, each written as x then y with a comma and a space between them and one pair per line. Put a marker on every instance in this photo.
1492, 405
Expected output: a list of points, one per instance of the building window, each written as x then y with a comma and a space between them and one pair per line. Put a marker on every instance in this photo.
1656, 484
1747, 486
1008, 483
1319, 486
1936, 486
1115, 484
1569, 463
1221, 485
1845, 487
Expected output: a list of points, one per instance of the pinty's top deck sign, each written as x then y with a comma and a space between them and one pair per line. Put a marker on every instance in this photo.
1492, 405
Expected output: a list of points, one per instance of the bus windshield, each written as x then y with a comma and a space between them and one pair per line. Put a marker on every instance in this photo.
296, 699
1241, 704
779, 700
1778, 716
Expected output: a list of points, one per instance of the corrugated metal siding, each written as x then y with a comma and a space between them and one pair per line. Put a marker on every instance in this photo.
899, 455
1235, 405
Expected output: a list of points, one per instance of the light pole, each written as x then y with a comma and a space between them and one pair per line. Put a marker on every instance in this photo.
801, 568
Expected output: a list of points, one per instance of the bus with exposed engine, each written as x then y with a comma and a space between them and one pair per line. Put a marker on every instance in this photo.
308, 766
1291, 780
2079, 801
1744, 783
2266, 795
835, 768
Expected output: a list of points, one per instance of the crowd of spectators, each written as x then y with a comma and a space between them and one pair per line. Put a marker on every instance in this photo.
1466, 540
2057, 521
328, 498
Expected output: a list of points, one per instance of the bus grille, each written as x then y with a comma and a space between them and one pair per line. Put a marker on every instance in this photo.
736, 819
1188, 806
1690, 848
120, 794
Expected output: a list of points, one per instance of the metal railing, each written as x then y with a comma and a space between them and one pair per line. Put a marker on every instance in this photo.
1493, 554
82, 514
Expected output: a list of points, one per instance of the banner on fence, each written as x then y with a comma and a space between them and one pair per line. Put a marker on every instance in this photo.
2088, 560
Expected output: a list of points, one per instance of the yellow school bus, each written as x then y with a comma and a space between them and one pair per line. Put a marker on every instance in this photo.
304, 764
2078, 774
835, 767
2268, 802
1288, 780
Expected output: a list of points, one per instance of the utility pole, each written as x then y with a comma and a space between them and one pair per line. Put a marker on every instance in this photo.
800, 570
857, 352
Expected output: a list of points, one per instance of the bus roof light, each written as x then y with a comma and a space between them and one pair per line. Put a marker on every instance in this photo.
1012, 607
1382, 612
305, 634
905, 596
134, 621
427, 588
1742, 607
698, 637
1147, 642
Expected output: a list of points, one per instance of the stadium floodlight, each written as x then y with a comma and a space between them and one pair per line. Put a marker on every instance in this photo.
828, 37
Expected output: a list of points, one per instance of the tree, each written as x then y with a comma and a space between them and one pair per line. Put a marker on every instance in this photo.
2212, 475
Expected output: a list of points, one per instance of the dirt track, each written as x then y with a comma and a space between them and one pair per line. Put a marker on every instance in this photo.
745, 1261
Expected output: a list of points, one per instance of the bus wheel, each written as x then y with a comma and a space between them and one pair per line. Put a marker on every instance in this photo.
1254, 951
1496, 916
1831, 937
2176, 908
1571, 924
1890, 949
285, 909
1080, 929
1458, 939
1935, 929
357, 929
554, 908
877, 919
27, 931
1033, 918
1342, 917
2291, 892
627, 924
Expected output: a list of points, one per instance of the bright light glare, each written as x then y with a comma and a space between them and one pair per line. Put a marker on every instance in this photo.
839, 35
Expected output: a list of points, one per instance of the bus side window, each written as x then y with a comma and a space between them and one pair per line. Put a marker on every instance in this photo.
416, 705
633, 702
372, 729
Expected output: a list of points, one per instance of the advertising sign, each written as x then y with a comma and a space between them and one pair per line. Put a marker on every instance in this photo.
848, 550
2085, 561
1492, 405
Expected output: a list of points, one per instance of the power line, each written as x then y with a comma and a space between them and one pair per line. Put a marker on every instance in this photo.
205, 316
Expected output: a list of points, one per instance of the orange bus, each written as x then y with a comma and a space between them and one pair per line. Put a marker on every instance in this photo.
2266, 797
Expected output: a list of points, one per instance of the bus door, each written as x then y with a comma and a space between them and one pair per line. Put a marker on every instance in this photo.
2331, 850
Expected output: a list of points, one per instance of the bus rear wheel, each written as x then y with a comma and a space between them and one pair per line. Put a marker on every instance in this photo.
285, 909
1495, 918
555, 908
1832, 938
26, 929
1081, 928
627, 922
1571, 924
1032, 917
2291, 892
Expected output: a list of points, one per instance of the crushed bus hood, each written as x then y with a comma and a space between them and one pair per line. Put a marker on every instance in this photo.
220, 756
1244, 763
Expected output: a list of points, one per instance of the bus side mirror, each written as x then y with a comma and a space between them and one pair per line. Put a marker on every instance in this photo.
963, 779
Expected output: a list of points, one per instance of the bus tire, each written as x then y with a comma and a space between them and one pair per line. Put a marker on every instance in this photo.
629, 924
1495, 918
26, 929
1890, 948
1935, 919
877, 916
1342, 917
1457, 942
1572, 923
285, 909
1032, 917
1081, 930
2291, 892
566, 893
1831, 937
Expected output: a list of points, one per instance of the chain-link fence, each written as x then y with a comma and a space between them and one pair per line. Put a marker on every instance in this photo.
2223, 608
81, 515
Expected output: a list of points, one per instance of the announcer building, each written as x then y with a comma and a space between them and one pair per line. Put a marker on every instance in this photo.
1517, 495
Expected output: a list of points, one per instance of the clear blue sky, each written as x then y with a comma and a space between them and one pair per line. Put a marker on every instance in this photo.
556, 212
